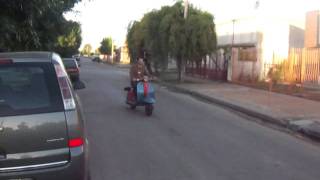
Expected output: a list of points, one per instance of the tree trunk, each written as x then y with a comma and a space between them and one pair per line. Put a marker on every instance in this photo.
197, 68
192, 68
181, 69
201, 69
156, 67
148, 65
205, 68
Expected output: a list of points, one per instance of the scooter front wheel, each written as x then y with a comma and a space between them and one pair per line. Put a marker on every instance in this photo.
149, 109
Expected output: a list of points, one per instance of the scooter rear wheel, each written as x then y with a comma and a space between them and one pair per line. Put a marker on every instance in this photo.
149, 109
133, 107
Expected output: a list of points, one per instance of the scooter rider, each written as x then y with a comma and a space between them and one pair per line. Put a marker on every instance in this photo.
137, 72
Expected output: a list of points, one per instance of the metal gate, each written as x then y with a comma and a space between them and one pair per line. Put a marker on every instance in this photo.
213, 68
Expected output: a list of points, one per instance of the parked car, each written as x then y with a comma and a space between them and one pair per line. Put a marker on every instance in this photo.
78, 59
96, 59
72, 68
42, 130
76, 56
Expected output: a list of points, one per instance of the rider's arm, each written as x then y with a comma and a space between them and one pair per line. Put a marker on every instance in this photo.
146, 72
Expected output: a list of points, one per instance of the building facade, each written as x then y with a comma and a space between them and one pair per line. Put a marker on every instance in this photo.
312, 32
255, 42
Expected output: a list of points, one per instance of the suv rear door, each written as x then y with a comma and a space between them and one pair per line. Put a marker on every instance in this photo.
33, 130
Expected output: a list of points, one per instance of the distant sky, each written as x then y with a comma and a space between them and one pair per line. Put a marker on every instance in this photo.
103, 18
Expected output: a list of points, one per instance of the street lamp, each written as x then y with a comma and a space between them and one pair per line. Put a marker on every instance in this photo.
232, 44
233, 22
229, 76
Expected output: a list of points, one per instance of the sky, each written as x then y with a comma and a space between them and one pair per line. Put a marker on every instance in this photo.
104, 18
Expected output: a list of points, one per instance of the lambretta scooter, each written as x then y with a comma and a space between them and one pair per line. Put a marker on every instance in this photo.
145, 96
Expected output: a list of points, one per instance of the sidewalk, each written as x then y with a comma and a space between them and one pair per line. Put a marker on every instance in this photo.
296, 114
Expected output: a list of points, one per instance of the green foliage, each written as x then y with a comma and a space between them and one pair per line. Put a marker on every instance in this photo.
33, 24
106, 46
135, 39
97, 51
86, 49
165, 32
276, 73
69, 43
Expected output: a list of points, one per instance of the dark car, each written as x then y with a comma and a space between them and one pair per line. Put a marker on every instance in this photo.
78, 59
72, 68
96, 59
42, 130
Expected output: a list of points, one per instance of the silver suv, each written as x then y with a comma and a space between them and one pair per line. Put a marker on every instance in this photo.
42, 134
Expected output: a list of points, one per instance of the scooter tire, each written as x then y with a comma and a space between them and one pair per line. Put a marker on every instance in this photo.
149, 109
133, 107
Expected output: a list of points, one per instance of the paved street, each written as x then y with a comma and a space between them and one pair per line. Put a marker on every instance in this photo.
185, 139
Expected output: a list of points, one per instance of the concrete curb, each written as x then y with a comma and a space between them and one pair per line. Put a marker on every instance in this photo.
315, 135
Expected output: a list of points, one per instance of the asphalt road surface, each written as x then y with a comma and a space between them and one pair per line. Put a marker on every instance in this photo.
185, 139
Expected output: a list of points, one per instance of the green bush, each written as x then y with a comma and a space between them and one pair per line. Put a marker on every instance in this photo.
276, 73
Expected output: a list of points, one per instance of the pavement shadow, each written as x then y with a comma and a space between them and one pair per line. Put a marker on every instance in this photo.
78, 85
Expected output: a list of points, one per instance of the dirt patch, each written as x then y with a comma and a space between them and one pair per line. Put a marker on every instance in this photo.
288, 89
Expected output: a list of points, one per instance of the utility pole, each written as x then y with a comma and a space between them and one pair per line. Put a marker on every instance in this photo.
232, 55
233, 22
112, 49
186, 7
182, 60
232, 44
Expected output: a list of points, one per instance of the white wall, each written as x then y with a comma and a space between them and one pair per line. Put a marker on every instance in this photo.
296, 37
244, 32
319, 29
275, 41
271, 36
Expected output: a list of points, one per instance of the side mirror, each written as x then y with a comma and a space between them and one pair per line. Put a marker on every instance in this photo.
78, 85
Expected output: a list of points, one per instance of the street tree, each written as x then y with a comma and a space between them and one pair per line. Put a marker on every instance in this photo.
152, 40
97, 51
87, 48
32, 25
69, 43
165, 32
106, 46
135, 39
188, 39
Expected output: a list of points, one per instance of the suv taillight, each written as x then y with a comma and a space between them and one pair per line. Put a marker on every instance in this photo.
73, 70
6, 61
77, 142
65, 88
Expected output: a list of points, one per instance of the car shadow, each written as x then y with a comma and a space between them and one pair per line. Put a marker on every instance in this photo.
78, 85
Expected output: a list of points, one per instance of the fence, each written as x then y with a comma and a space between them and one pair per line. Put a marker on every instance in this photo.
212, 68
301, 66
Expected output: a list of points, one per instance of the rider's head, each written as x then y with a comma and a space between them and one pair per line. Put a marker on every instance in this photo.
140, 61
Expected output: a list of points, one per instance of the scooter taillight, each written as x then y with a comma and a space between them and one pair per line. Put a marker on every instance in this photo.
145, 89
131, 95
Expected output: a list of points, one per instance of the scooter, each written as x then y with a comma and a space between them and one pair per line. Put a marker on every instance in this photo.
145, 96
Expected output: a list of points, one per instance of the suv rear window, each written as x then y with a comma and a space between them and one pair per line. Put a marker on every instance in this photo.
29, 88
